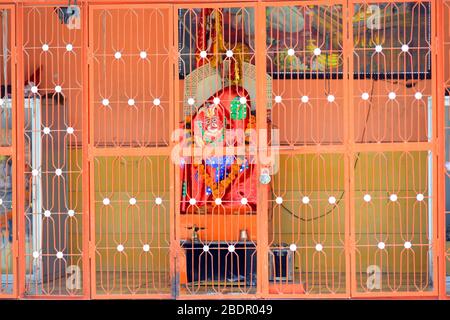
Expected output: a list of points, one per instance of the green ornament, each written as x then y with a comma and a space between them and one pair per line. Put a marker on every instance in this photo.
238, 109
184, 189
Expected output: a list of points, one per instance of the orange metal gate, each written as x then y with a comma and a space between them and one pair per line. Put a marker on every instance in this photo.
52, 220
347, 94
131, 175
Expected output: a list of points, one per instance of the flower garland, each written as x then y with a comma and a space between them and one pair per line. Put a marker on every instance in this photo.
222, 185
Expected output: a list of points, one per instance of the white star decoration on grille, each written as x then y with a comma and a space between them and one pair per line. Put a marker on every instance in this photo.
392, 95
365, 96
331, 200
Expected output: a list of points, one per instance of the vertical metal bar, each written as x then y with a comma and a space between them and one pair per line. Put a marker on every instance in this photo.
349, 157
439, 140
20, 154
85, 150
261, 125
90, 133
435, 150
12, 36
177, 185
173, 176
437, 99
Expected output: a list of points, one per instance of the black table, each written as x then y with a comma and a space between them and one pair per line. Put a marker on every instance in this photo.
218, 264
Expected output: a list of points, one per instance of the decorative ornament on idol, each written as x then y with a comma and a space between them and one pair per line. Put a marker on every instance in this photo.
221, 112
264, 177
209, 125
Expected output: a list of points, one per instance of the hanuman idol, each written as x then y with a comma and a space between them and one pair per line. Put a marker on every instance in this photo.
219, 182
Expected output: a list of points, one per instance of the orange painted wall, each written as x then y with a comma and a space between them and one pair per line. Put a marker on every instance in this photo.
58, 66
130, 77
